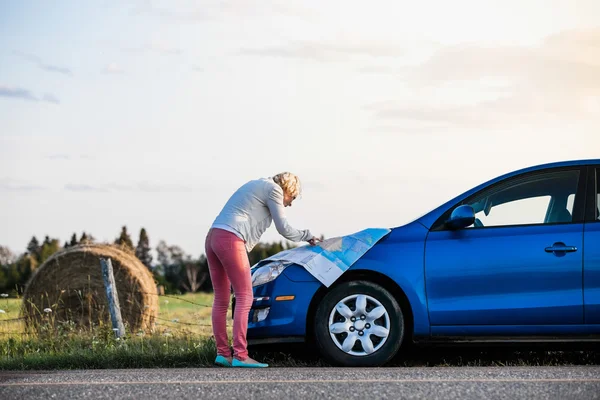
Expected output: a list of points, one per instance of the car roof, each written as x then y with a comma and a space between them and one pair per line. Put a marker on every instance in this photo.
557, 165
428, 219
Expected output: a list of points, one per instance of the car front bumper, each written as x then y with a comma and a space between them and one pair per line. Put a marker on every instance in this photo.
286, 319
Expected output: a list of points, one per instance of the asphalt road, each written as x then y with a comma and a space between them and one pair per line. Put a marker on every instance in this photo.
309, 383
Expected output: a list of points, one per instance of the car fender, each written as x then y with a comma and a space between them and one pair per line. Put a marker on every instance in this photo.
400, 257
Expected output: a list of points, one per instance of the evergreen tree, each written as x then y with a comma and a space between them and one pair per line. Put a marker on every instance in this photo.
20, 271
33, 248
84, 238
124, 239
73, 241
49, 247
142, 251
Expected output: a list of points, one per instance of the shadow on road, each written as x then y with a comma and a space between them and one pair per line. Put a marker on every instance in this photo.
302, 355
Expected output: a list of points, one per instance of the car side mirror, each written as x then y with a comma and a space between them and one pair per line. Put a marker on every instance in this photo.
461, 217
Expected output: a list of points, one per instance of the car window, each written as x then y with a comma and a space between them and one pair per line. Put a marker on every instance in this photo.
570, 203
539, 199
524, 211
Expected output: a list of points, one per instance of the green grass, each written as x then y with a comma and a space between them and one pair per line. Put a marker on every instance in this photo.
181, 338
174, 343
106, 352
11, 310
180, 313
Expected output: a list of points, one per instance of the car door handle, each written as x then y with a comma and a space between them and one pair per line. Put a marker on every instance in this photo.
560, 248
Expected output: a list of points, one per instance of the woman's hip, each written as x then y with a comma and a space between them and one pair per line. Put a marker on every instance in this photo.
227, 246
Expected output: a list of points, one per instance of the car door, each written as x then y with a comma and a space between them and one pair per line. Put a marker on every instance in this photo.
591, 261
521, 263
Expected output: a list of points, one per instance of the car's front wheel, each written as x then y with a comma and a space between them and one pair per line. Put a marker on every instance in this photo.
359, 324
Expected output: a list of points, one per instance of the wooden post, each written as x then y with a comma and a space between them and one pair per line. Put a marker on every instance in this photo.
112, 296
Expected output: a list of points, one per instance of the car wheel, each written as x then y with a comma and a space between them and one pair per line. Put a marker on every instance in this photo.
359, 324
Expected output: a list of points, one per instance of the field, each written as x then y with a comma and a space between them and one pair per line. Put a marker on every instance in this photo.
182, 338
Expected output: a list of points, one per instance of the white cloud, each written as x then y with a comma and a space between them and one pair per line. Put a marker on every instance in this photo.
77, 187
17, 185
162, 46
113, 68
535, 84
25, 94
50, 98
144, 187
40, 64
328, 51
184, 11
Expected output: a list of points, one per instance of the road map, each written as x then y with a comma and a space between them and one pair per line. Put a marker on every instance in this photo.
329, 259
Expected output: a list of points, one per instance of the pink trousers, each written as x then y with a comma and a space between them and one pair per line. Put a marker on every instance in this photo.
229, 266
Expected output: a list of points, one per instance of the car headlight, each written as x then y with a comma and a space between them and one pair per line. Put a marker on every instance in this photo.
268, 272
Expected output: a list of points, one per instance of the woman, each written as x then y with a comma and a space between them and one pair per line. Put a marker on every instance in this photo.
235, 231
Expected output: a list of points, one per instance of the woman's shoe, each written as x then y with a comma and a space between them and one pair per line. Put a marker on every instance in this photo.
248, 363
222, 361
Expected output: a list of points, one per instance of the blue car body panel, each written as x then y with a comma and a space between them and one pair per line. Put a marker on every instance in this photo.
591, 262
495, 281
503, 276
286, 318
400, 257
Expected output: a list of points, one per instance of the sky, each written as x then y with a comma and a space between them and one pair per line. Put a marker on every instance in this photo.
152, 113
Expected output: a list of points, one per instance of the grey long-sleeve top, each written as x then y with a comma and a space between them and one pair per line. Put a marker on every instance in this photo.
252, 208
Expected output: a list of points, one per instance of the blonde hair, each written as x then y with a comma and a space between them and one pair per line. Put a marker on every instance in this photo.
290, 183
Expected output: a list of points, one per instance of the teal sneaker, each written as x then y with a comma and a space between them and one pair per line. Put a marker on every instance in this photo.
222, 361
244, 364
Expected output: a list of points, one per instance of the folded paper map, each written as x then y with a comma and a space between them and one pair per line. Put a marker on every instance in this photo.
329, 259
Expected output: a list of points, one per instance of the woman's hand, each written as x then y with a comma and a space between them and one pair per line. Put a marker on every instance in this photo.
314, 240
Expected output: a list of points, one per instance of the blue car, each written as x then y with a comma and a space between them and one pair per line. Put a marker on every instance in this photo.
515, 259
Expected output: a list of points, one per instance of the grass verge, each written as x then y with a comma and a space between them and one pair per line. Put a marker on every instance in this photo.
182, 339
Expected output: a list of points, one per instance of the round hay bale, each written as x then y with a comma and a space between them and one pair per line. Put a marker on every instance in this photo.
70, 284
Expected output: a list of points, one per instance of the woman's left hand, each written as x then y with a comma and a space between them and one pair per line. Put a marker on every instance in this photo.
314, 240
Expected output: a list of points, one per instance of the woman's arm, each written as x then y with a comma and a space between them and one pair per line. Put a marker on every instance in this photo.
275, 204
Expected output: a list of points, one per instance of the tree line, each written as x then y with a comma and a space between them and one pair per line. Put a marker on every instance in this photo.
173, 269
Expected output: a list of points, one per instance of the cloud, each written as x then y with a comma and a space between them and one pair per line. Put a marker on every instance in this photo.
11, 185
25, 94
76, 187
558, 79
58, 157
261, 8
409, 129
144, 187
535, 66
67, 157
148, 187
164, 47
189, 15
50, 98
157, 46
17, 93
113, 68
46, 67
192, 12
327, 52
381, 70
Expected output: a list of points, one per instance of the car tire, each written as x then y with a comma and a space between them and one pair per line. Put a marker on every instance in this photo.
345, 338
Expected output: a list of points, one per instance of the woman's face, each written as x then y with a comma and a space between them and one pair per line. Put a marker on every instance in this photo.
288, 199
